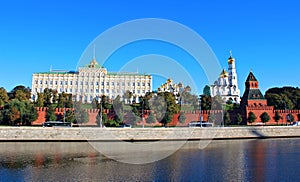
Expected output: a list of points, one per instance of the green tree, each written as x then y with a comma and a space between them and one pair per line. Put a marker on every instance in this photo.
280, 98
212, 118
206, 90
3, 97
128, 95
182, 117
54, 96
277, 117
16, 111
10, 114
84, 117
290, 118
104, 118
151, 118
119, 116
167, 118
40, 100
70, 116
64, 100
226, 118
132, 118
47, 94
50, 114
111, 123
171, 107
264, 117
239, 119
95, 103
158, 106
251, 117
205, 102
29, 113
23, 93
217, 103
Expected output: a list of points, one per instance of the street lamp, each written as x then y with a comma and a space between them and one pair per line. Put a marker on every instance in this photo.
143, 113
200, 116
100, 122
223, 115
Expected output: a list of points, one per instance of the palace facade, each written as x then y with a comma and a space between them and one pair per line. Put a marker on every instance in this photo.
92, 81
227, 85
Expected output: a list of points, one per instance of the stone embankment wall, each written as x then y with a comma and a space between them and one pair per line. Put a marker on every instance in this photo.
143, 134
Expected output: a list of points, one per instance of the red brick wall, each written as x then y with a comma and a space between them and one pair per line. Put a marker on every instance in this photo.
190, 116
271, 112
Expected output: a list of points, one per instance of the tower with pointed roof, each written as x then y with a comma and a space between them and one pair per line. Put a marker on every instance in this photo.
252, 95
253, 100
227, 85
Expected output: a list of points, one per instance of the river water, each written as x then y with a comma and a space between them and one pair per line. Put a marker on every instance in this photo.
224, 160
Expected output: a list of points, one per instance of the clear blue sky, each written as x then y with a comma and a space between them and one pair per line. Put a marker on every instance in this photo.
263, 35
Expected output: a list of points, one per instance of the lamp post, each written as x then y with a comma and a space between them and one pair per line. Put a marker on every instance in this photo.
100, 122
200, 116
64, 112
143, 113
223, 115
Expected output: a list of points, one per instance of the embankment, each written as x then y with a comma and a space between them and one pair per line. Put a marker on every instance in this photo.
144, 134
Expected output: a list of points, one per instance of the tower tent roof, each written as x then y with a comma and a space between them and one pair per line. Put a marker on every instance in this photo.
251, 77
253, 94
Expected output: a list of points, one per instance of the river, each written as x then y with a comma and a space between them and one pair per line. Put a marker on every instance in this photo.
221, 160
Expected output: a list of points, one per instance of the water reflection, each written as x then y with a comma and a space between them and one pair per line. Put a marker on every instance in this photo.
246, 160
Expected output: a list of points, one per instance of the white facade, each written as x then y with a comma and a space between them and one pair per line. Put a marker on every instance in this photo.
227, 85
90, 82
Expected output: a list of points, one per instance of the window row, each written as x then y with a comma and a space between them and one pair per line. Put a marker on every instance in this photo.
97, 91
91, 83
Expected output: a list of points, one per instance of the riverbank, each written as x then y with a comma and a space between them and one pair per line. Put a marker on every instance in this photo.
144, 134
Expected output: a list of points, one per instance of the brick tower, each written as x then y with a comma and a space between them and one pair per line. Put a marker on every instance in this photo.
253, 100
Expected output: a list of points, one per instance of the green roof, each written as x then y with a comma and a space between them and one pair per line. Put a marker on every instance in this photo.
57, 72
125, 74
253, 94
251, 77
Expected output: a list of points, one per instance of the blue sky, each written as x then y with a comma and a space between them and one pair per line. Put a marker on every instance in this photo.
263, 35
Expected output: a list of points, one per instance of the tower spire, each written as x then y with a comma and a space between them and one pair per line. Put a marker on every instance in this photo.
94, 53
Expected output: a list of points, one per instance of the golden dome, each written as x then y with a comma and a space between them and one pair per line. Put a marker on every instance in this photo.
93, 63
223, 74
230, 59
169, 80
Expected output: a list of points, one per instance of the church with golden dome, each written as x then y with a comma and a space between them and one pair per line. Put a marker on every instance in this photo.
227, 85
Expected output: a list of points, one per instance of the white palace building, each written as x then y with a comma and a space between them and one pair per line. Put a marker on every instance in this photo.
227, 85
92, 81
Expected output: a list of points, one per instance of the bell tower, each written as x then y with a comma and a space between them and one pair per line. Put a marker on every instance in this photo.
232, 71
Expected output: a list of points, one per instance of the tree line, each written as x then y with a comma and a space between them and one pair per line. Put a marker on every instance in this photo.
283, 98
18, 109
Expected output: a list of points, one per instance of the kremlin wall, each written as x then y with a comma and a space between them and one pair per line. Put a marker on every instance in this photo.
252, 101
